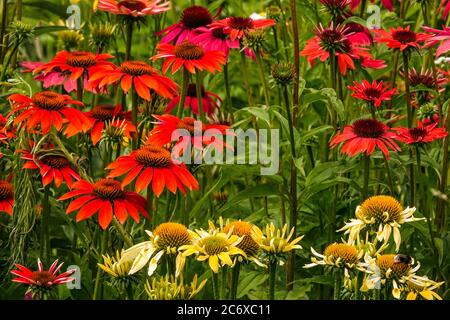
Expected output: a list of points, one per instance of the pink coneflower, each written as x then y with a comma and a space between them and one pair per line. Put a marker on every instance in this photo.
209, 101
214, 39
134, 8
446, 5
421, 134
191, 19
439, 35
52, 78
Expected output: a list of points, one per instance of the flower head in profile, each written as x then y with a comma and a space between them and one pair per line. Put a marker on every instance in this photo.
136, 75
422, 134
41, 281
47, 109
53, 167
6, 197
192, 18
152, 164
210, 101
338, 255
238, 27
347, 47
214, 246
374, 93
107, 198
190, 56
275, 241
166, 239
173, 288
118, 269
382, 215
364, 136
424, 288
134, 8
401, 38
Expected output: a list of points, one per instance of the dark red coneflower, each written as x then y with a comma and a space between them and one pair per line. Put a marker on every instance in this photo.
421, 134
424, 81
364, 136
374, 92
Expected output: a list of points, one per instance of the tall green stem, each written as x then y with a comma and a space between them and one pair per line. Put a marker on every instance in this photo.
337, 285
235, 280
272, 273
365, 190
184, 89
215, 283
129, 39
245, 76
198, 88
263, 78
228, 104
4, 9
99, 272
45, 231
296, 44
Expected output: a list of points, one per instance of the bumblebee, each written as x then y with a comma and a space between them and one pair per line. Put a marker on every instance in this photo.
403, 258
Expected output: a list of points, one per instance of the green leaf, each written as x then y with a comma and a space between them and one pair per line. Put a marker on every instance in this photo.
250, 282
260, 190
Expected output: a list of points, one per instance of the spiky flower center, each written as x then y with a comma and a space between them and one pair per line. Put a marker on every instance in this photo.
240, 23
103, 112
153, 156
49, 100
189, 51
108, 189
243, 229
43, 278
136, 68
426, 79
6, 190
283, 73
334, 40
80, 59
214, 245
372, 93
368, 128
135, 5
195, 17
172, 235
56, 162
192, 90
418, 133
404, 36
347, 253
381, 208
218, 33
387, 261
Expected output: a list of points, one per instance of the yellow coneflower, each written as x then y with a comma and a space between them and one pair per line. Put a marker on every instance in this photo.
385, 213
248, 244
392, 268
169, 288
166, 239
213, 245
115, 266
276, 241
340, 255
424, 287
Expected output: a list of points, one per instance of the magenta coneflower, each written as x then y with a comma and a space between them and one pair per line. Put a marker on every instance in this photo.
215, 39
374, 92
191, 19
209, 101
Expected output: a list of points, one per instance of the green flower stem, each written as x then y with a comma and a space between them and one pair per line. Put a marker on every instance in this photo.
80, 89
97, 285
245, 76
365, 190
150, 201
263, 78
389, 174
45, 234
129, 29
228, 104
125, 236
8, 59
407, 89
358, 284
296, 54
215, 283
363, 8
198, 89
235, 280
4, 9
272, 273
224, 284
184, 89
376, 294
337, 285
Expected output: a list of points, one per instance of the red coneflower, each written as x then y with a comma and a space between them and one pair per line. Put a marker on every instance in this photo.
437, 36
425, 83
237, 27
388, 4
134, 8
190, 56
209, 101
41, 281
8, 132
373, 92
364, 136
400, 38
52, 167
137, 74
75, 64
191, 18
421, 134
107, 197
6, 197
48, 108
106, 114
167, 124
337, 41
154, 164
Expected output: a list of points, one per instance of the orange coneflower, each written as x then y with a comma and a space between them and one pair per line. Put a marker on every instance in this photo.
6, 197
401, 38
167, 124
52, 167
153, 163
48, 108
77, 64
191, 56
107, 197
134, 8
106, 114
364, 136
237, 27
421, 134
137, 74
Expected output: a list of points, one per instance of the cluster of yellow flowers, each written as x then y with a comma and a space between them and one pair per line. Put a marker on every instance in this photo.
227, 245
369, 234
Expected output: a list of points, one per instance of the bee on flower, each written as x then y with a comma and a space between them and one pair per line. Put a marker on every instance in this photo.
382, 214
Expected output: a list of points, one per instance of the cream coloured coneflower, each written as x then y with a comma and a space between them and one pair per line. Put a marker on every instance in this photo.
340, 255
170, 288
